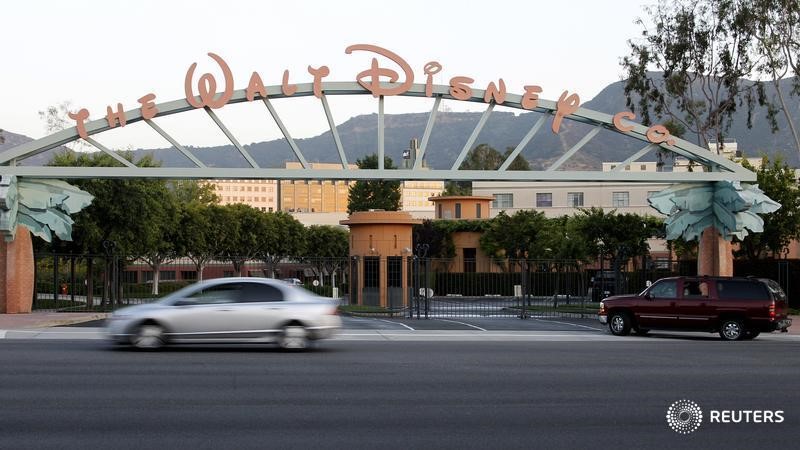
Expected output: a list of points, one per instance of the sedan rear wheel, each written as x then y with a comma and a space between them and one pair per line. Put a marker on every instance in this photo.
294, 337
149, 336
731, 330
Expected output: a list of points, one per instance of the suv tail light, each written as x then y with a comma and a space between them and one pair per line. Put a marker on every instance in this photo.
772, 310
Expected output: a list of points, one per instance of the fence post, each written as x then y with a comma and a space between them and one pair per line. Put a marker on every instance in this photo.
55, 280
524, 298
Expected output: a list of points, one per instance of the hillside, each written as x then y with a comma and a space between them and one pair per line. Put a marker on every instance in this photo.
503, 129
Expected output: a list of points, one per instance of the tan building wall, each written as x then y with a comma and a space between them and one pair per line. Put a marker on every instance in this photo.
462, 207
380, 234
465, 240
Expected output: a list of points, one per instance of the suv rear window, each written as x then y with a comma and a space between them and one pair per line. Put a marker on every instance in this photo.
742, 290
775, 288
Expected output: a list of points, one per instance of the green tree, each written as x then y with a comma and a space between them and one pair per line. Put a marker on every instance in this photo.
327, 249
243, 233
775, 27
194, 192
518, 238
779, 183
122, 210
700, 53
374, 194
137, 215
619, 237
483, 157
565, 240
281, 236
433, 234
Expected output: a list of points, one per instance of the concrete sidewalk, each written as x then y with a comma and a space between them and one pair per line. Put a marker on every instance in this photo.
38, 320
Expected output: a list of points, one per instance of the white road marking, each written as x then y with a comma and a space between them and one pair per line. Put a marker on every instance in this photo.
462, 323
567, 323
396, 323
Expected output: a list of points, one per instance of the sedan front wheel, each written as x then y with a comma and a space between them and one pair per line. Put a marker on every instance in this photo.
294, 337
149, 336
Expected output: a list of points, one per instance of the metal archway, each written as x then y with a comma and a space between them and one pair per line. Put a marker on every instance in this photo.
716, 167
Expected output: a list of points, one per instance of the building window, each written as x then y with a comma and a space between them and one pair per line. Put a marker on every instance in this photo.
188, 274
620, 199
643, 167
167, 275
458, 210
503, 201
477, 210
470, 255
575, 199
544, 200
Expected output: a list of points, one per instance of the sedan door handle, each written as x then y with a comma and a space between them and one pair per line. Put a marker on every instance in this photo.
227, 309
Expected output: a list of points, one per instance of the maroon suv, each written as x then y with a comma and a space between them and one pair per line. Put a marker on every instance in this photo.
737, 308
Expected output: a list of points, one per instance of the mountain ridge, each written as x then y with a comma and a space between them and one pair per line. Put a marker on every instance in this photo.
503, 129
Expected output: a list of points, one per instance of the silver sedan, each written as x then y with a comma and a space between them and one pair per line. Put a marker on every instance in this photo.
244, 310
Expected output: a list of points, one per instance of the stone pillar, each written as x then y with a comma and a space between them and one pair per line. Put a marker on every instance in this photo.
714, 254
16, 273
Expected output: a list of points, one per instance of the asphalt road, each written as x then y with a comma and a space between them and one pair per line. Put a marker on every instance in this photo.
396, 394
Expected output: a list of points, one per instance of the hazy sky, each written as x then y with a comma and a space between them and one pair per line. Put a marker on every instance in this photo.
98, 53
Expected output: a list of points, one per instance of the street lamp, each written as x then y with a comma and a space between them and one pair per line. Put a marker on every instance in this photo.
421, 250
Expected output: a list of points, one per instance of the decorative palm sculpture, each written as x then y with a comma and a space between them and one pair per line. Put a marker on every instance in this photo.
42, 206
729, 206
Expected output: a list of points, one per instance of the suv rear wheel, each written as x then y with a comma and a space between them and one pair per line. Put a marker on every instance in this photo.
748, 335
619, 323
731, 329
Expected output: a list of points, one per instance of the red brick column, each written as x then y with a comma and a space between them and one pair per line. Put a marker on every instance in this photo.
714, 254
16, 273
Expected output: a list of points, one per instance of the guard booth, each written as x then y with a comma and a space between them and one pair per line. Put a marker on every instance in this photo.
380, 247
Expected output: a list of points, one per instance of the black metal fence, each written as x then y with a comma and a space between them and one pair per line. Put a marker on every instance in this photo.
408, 286
66, 282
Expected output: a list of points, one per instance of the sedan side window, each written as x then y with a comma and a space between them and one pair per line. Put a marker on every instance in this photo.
226, 293
261, 292
665, 289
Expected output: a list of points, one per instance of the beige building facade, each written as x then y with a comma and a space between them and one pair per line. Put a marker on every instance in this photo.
260, 194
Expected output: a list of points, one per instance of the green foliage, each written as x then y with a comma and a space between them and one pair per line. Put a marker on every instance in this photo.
438, 235
134, 213
194, 192
242, 240
775, 29
374, 194
778, 182
521, 236
326, 241
618, 236
701, 53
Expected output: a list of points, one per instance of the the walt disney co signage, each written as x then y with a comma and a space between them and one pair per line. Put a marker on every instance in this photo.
370, 79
